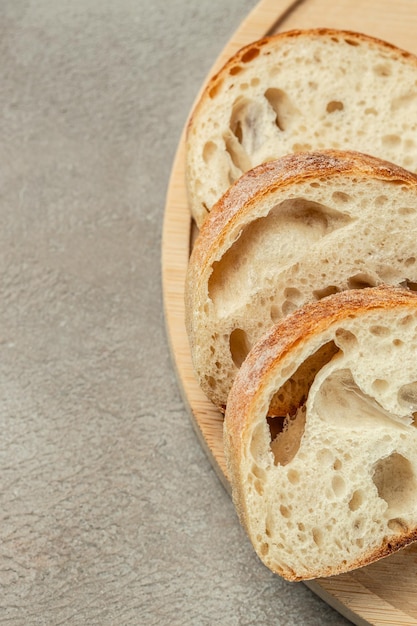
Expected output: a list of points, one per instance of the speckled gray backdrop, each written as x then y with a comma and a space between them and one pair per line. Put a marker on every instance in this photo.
110, 513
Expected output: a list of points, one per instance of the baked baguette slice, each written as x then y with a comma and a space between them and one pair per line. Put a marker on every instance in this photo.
286, 233
297, 91
333, 486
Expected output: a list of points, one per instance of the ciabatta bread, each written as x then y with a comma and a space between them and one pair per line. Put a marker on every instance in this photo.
298, 91
287, 233
331, 486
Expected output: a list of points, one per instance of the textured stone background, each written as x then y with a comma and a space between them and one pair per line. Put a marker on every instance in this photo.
110, 513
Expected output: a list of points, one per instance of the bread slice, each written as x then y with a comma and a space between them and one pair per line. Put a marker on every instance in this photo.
333, 486
297, 91
287, 233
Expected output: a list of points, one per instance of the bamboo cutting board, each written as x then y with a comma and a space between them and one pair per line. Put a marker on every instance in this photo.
384, 593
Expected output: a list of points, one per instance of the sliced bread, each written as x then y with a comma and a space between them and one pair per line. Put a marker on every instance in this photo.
287, 233
331, 486
298, 91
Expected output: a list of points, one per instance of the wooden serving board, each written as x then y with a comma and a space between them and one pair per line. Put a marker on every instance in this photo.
384, 593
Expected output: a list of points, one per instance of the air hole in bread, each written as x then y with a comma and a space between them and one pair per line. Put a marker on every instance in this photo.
410, 261
285, 511
293, 394
334, 105
407, 396
407, 319
319, 294
288, 307
294, 478
371, 111
383, 69
287, 443
396, 483
295, 224
351, 42
380, 385
270, 522
380, 201
341, 196
214, 90
238, 157
337, 465
284, 109
301, 147
239, 346
211, 382
379, 330
391, 140
317, 56
397, 525
249, 55
345, 339
356, 500
341, 402
409, 284
258, 486
361, 281
403, 101
325, 456
317, 536
258, 472
338, 486
293, 293
359, 542
275, 313
236, 69
209, 151
245, 124
276, 425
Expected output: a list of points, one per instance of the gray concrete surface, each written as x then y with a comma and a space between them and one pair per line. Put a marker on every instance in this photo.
109, 510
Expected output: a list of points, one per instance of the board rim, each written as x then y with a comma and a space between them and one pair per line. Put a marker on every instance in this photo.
345, 594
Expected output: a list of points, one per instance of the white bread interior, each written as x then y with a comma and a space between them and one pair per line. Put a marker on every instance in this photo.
333, 486
287, 233
298, 91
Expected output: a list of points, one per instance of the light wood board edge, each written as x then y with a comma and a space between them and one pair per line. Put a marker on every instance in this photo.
176, 235
357, 603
